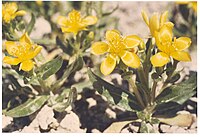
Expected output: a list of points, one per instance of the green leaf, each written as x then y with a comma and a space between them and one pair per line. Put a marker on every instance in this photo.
143, 128
114, 95
70, 95
179, 93
31, 24
28, 108
73, 67
49, 68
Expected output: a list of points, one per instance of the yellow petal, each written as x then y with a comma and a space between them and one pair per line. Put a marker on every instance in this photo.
182, 43
154, 24
163, 18
165, 34
12, 48
99, 48
130, 59
108, 65
20, 13
145, 17
62, 21
34, 53
181, 56
159, 59
11, 7
168, 24
25, 38
74, 15
132, 40
112, 35
11, 60
26, 65
90, 20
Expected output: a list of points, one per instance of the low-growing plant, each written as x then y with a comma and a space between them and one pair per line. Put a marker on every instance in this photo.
150, 68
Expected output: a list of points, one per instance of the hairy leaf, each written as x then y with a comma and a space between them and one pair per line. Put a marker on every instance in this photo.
179, 93
49, 68
114, 95
64, 100
31, 24
28, 108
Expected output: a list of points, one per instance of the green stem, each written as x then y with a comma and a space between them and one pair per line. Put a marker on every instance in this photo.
170, 75
143, 78
136, 92
153, 91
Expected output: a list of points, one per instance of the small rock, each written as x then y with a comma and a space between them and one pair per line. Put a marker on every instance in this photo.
165, 128
91, 102
45, 117
95, 131
125, 130
71, 123
6, 120
111, 113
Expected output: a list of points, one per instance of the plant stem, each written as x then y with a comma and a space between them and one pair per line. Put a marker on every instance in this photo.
153, 91
170, 75
143, 78
136, 92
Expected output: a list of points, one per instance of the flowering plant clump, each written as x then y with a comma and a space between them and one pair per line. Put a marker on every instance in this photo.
56, 68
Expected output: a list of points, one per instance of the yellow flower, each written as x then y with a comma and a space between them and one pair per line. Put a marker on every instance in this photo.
154, 23
75, 23
22, 51
117, 47
191, 4
9, 11
169, 48
39, 2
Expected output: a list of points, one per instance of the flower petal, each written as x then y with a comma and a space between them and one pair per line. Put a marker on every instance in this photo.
112, 35
164, 36
20, 13
11, 60
154, 24
74, 15
169, 24
26, 65
62, 21
130, 59
159, 59
35, 52
182, 43
108, 65
90, 20
25, 38
145, 17
163, 18
99, 48
132, 40
12, 48
181, 56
